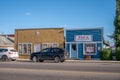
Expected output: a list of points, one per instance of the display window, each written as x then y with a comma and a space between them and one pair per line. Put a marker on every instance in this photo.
90, 49
46, 45
24, 48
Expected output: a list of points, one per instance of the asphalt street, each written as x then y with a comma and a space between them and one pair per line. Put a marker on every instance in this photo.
59, 71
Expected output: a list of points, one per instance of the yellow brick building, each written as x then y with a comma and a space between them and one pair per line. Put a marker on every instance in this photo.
33, 40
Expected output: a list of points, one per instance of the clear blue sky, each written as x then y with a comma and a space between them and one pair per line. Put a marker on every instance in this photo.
17, 14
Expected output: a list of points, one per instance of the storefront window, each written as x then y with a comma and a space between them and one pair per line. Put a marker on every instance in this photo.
90, 49
20, 48
29, 48
74, 47
24, 48
46, 45
55, 45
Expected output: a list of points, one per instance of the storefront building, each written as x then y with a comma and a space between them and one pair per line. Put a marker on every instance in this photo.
81, 43
34, 40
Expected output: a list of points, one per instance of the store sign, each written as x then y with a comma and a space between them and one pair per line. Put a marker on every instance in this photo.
90, 49
83, 38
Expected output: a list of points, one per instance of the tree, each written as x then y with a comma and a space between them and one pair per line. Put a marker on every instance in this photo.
117, 25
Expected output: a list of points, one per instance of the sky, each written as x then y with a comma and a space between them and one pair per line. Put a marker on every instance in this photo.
20, 14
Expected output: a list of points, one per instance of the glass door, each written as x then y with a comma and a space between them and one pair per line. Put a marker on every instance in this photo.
74, 51
36, 47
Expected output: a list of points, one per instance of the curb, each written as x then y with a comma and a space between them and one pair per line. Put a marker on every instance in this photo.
92, 61
76, 61
23, 60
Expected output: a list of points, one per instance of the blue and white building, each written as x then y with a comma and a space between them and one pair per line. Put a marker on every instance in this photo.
82, 42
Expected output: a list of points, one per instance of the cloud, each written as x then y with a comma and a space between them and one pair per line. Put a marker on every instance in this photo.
65, 25
28, 13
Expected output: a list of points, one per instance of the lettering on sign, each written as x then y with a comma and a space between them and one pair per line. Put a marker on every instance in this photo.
83, 38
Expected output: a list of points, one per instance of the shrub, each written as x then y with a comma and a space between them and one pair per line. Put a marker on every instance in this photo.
106, 54
118, 54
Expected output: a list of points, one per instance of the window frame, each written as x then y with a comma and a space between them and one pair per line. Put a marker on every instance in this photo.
95, 48
21, 50
48, 45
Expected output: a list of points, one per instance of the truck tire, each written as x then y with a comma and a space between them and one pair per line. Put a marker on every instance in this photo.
35, 59
56, 59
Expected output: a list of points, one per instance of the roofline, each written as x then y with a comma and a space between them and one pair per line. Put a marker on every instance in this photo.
86, 28
6, 34
7, 45
38, 28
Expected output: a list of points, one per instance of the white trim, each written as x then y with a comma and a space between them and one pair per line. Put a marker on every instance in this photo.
90, 43
77, 50
70, 50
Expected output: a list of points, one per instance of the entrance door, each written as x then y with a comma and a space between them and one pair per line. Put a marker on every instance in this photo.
74, 51
36, 47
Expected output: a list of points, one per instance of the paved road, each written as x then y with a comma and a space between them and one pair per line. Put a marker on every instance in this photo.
60, 71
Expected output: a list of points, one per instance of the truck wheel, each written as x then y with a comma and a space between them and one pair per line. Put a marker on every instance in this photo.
41, 60
56, 59
35, 59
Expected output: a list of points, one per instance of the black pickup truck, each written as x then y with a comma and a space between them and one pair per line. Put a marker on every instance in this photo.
56, 54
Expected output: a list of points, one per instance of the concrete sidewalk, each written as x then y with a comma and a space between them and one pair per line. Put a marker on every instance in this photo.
93, 61
77, 61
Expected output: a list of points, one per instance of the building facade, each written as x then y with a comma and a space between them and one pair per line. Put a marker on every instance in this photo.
84, 42
34, 40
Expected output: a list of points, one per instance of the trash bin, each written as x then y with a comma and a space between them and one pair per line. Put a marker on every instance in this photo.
88, 57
